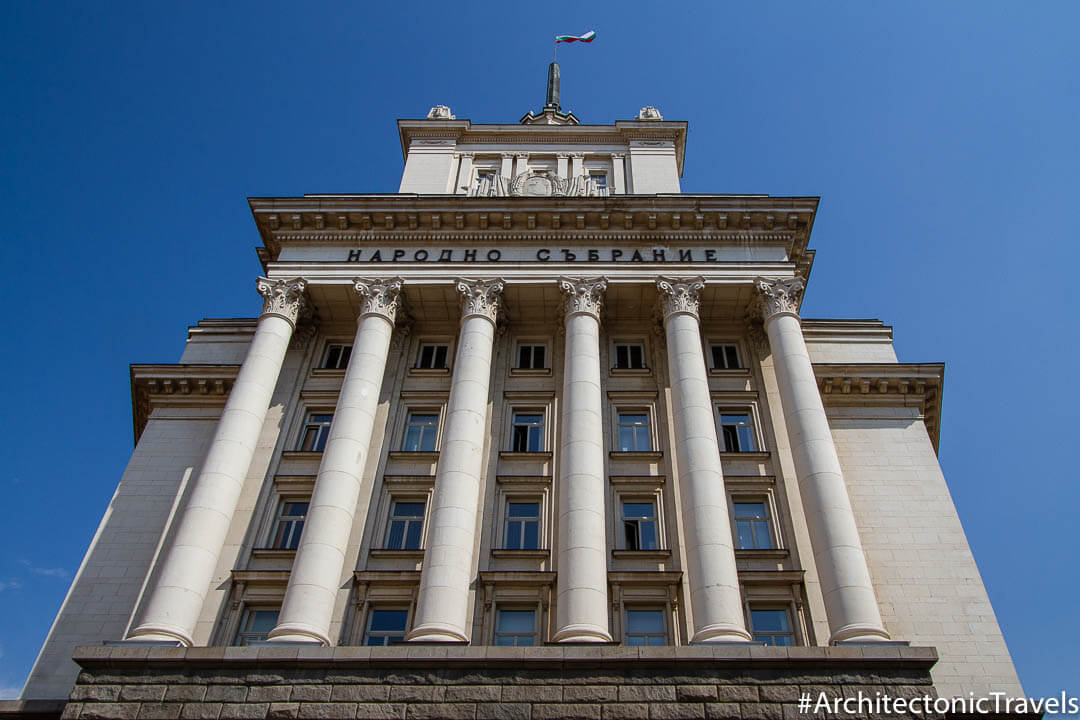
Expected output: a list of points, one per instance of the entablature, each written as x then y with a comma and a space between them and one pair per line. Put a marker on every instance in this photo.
195, 385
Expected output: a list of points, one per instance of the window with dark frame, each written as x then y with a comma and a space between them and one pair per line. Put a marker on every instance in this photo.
316, 431
645, 626
421, 431
522, 525
725, 356
432, 356
290, 524
752, 525
255, 625
406, 526
737, 431
639, 525
532, 357
772, 627
633, 431
629, 356
515, 628
528, 432
336, 356
386, 626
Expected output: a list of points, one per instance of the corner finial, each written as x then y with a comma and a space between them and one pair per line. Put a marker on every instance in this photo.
440, 112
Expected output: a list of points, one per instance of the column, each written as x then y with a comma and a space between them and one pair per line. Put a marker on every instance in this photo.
561, 165
850, 602
577, 164
464, 175
521, 163
183, 580
618, 174
320, 558
507, 168
442, 607
582, 596
715, 599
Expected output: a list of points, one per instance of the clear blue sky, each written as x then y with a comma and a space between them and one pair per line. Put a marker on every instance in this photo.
941, 137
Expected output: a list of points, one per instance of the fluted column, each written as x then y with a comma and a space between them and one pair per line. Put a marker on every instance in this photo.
850, 602
582, 581
442, 607
320, 558
715, 600
180, 588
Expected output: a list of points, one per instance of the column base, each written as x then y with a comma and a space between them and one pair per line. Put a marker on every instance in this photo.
721, 633
436, 633
582, 633
859, 634
159, 634
293, 634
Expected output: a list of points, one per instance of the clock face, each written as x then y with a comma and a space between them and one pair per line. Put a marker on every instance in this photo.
537, 185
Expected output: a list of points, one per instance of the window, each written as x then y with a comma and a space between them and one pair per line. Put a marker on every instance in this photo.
629, 356
725, 356
256, 625
316, 430
639, 525
771, 627
290, 524
752, 526
531, 357
515, 627
528, 432
634, 431
522, 525
598, 183
737, 431
406, 525
432, 357
386, 627
421, 429
336, 356
645, 627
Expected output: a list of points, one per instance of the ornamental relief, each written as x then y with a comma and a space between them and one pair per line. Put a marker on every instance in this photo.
282, 297
583, 295
480, 297
680, 295
779, 296
380, 297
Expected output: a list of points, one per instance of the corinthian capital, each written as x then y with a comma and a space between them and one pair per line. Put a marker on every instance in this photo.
480, 297
779, 296
680, 295
379, 296
283, 298
583, 295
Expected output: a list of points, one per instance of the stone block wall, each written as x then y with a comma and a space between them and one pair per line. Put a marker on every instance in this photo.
478, 683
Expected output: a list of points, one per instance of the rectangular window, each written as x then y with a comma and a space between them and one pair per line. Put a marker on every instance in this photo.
528, 432
336, 356
522, 525
290, 524
256, 625
421, 429
386, 627
752, 526
406, 525
629, 356
645, 627
639, 525
737, 432
634, 431
772, 627
532, 357
432, 357
725, 356
316, 431
599, 180
515, 628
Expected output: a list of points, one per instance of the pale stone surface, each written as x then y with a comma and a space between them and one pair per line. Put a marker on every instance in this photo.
427, 167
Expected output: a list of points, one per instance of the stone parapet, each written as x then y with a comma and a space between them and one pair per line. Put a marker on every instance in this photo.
424, 681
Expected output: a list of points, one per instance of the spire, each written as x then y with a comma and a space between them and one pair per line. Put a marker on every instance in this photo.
552, 100
552, 113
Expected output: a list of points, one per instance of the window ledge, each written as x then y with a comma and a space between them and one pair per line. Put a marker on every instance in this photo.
511, 553
631, 371
762, 553
410, 455
641, 554
272, 553
429, 371
512, 455
300, 454
530, 372
729, 372
757, 455
386, 553
636, 455
328, 372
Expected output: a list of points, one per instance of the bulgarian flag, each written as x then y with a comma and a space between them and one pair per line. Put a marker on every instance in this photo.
586, 38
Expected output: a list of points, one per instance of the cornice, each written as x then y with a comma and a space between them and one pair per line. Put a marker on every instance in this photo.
153, 385
886, 384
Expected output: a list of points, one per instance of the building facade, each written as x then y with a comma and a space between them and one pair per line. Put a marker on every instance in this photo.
539, 398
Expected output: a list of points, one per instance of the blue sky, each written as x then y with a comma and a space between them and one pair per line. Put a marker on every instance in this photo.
941, 137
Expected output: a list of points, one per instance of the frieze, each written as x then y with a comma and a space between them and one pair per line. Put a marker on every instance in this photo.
546, 254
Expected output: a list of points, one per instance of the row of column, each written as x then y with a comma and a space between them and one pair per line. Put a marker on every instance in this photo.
442, 609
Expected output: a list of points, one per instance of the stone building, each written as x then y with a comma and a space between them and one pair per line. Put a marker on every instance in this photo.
538, 436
